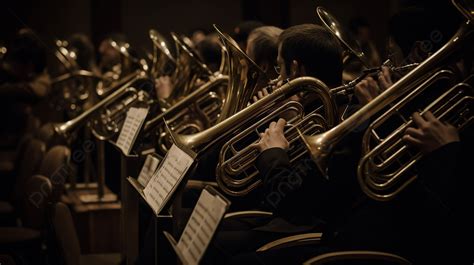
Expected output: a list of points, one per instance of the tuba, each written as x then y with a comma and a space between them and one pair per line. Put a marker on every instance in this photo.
387, 165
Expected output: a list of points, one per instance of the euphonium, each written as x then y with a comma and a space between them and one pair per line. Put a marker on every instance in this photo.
246, 118
385, 168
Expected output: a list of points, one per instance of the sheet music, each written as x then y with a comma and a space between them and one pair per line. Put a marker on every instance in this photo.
201, 226
131, 127
149, 167
166, 178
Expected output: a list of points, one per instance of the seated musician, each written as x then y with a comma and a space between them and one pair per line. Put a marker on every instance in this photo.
303, 50
262, 48
438, 201
242, 31
23, 82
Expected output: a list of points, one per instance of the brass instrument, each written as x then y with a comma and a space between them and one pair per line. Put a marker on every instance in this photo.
245, 77
236, 172
109, 119
163, 62
3, 51
190, 70
129, 66
350, 44
204, 107
385, 167
195, 112
352, 48
250, 117
72, 88
120, 92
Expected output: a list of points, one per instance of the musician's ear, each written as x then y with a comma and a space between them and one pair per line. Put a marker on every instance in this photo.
296, 70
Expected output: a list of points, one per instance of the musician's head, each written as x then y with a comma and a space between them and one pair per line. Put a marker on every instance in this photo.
84, 49
108, 55
418, 31
262, 48
310, 50
26, 55
242, 31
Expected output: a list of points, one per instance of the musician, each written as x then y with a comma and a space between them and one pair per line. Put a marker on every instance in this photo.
445, 178
109, 57
242, 31
209, 49
439, 199
304, 50
23, 83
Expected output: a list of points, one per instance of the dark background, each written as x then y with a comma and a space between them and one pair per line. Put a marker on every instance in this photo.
97, 18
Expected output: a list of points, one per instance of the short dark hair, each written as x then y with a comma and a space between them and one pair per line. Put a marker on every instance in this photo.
423, 23
356, 23
316, 49
265, 44
242, 31
210, 52
26, 48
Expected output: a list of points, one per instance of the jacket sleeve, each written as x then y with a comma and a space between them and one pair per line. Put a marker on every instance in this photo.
438, 171
286, 189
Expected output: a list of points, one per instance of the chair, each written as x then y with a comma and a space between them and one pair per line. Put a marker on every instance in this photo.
68, 243
29, 159
56, 166
357, 257
337, 257
24, 243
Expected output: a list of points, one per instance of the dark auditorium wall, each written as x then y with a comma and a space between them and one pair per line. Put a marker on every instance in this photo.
59, 18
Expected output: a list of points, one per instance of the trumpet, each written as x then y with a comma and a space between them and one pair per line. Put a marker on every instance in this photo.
386, 167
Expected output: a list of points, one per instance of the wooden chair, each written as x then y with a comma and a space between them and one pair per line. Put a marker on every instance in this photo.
68, 243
